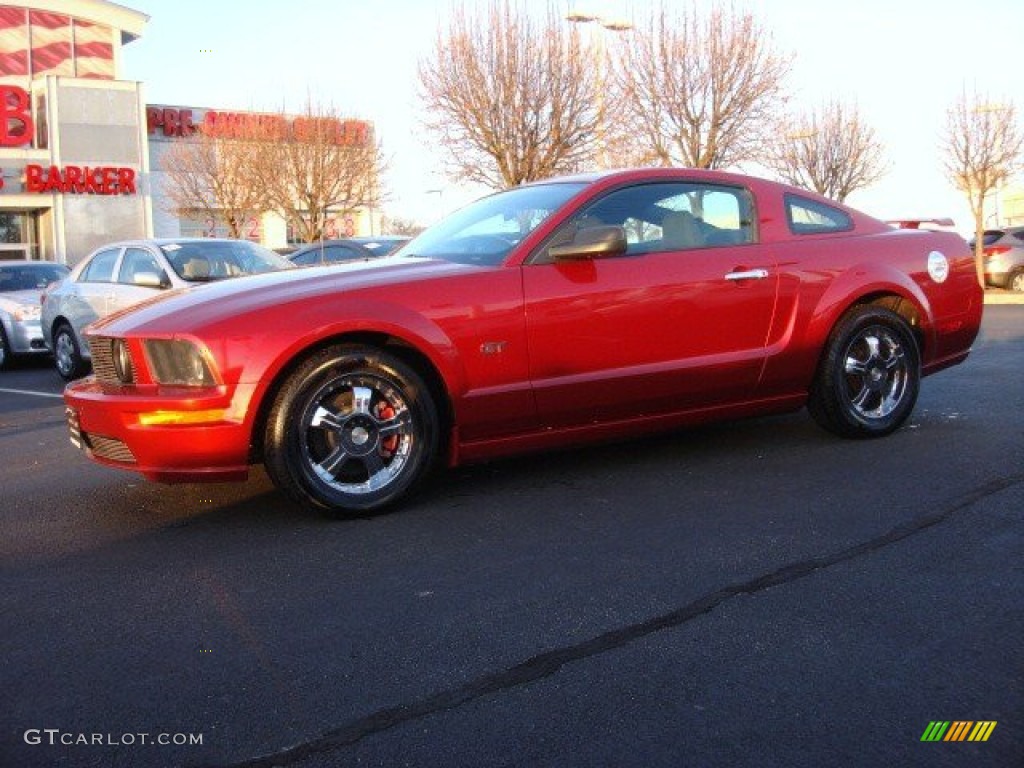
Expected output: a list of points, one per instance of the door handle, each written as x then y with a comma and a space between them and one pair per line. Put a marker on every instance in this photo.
748, 274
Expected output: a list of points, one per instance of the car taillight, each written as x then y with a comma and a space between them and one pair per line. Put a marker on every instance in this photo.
995, 250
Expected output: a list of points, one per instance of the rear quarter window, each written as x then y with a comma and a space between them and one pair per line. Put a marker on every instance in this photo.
810, 217
101, 268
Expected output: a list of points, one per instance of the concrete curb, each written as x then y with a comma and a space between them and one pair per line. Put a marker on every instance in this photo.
1003, 297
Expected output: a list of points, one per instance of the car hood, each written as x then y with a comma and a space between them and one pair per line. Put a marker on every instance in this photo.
192, 308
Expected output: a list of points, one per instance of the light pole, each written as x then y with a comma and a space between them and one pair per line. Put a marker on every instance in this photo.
605, 25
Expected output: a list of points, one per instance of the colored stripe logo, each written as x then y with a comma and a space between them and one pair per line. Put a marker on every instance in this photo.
958, 730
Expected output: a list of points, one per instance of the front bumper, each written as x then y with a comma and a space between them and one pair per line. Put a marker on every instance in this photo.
115, 427
26, 338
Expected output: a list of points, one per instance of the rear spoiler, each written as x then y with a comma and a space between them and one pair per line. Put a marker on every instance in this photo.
921, 223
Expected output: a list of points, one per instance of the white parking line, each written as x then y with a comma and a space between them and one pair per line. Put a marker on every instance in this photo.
28, 392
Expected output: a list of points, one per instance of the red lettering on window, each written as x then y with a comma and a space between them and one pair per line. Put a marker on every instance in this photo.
16, 126
154, 119
126, 181
33, 178
73, 179
170, 122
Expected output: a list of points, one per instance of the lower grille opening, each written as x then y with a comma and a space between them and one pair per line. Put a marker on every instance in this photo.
109, 448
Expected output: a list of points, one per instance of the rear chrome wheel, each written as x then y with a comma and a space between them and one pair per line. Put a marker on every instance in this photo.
869, 376
352, 430
1016, 281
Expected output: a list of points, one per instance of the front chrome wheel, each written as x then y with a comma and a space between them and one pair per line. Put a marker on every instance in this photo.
358, 434
66, 354
351, 430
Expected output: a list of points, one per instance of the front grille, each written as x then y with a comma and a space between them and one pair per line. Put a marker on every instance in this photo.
102, 350
109, 448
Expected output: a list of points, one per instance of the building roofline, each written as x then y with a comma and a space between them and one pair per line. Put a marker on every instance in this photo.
128, 22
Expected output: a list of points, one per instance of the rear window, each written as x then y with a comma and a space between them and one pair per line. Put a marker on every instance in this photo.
101, 268
809, 217
991, 235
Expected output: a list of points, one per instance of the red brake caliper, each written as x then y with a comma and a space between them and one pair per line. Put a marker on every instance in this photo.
388, 445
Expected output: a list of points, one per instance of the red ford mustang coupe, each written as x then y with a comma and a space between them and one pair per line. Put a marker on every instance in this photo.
574, 309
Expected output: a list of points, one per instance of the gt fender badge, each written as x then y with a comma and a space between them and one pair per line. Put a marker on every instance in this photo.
938, 267
493, 347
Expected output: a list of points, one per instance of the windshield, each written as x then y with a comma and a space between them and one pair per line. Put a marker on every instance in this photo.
200, 262
29, 277
485, 231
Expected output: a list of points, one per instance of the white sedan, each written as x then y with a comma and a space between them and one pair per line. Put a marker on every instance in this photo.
119, 275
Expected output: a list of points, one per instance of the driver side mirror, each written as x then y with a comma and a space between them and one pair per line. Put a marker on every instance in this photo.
592, 243
151, 280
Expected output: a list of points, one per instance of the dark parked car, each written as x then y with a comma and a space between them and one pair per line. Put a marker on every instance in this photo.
569, 310
120, 275
383, 245
21, 283
348, 249
329, 252
1004, 258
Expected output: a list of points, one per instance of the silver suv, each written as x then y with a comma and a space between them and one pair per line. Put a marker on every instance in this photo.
1004, 258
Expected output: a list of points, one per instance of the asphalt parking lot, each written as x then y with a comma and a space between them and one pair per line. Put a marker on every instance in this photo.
750, 594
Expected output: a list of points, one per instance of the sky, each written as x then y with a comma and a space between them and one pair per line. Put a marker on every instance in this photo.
903, 63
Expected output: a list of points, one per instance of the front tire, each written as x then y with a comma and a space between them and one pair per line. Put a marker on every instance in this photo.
352, 430
67, 355
869, 377
5, 349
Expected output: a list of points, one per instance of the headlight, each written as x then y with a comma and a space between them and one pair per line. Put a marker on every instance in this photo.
26, 312
178, 362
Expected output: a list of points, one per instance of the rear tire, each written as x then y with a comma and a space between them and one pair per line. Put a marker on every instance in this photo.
67, 355
1015, 282
869, 377
352, 430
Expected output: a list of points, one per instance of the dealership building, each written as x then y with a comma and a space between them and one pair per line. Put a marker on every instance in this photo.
80, 150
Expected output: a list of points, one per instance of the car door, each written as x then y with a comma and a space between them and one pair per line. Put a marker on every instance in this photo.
678, 322
138, 270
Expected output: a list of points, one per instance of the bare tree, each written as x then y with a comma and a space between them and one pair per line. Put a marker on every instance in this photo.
982, 147
831, 150
324, 165
398, 225
214, 173
508, 98
698, 91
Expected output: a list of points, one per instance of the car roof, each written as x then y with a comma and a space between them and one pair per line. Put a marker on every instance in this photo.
23, 262
324, 243
172, 241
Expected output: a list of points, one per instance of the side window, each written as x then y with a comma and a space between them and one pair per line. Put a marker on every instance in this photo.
138, 261
809, 217
101, 268
667, 216
307, 258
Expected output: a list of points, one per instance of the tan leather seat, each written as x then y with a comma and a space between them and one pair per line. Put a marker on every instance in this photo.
679, 230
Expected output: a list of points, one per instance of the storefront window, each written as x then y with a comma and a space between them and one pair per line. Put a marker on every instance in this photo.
18, 235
